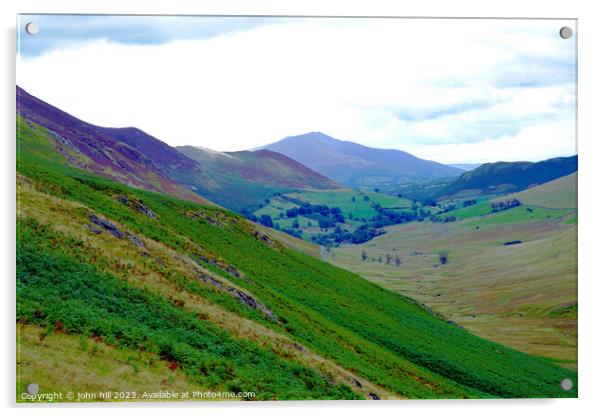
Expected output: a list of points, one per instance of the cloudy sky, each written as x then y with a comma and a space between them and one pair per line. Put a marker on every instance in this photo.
454, 91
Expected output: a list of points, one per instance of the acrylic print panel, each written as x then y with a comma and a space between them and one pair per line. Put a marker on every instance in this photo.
295, 208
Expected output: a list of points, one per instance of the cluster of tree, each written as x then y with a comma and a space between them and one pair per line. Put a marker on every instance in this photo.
448, 208
390, 217
503, 205
360, 235
266, 220
371, 228
328, 215
388, 258
451, 207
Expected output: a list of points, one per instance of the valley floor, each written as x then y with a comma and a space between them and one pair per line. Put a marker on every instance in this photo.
522, 295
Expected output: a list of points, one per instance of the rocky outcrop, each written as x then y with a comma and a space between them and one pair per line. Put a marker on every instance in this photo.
134, 239
114, 230
211, 219
138, 205
241, 296
222, 265
105, 225
261, 236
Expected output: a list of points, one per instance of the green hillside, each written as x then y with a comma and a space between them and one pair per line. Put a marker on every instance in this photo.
224, 306
244, 180
560, 193
501, 177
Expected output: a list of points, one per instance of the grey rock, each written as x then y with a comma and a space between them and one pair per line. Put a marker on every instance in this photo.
134, 239
241, 296
106, 225
144, 209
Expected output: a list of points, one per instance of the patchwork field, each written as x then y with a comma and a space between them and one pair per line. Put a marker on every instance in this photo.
356, 207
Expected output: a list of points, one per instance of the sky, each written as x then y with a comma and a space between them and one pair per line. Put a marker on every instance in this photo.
449, 90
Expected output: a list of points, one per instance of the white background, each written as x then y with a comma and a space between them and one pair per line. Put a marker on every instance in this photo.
590, 212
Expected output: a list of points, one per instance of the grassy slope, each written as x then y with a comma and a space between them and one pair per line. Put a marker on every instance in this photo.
372, 332
61, 362
560, 193
174, 277
510, 294
551, 200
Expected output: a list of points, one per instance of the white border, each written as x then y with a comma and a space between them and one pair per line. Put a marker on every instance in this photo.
590, 206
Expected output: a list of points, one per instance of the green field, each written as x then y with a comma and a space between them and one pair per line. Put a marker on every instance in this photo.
353, 204
506, 293
312, 331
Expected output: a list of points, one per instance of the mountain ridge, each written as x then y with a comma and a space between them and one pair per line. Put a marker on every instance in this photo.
355, 164
136, 158
96, 149
262, 165
511, 176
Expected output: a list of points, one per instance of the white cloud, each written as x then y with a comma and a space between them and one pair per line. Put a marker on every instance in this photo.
532, 143
424, 85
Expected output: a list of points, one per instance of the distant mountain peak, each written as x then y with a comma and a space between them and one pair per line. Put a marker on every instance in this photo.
355, 164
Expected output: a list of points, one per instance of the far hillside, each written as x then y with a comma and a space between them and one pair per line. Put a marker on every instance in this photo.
243, 181
501, 177
560, 193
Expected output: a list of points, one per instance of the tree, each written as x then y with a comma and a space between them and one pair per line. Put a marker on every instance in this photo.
503, 205
292, 213
266, 220
366, 198
364, 255
352, 199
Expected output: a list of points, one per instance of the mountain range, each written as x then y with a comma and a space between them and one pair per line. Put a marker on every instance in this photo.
357, 165
244, 180
235, 180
